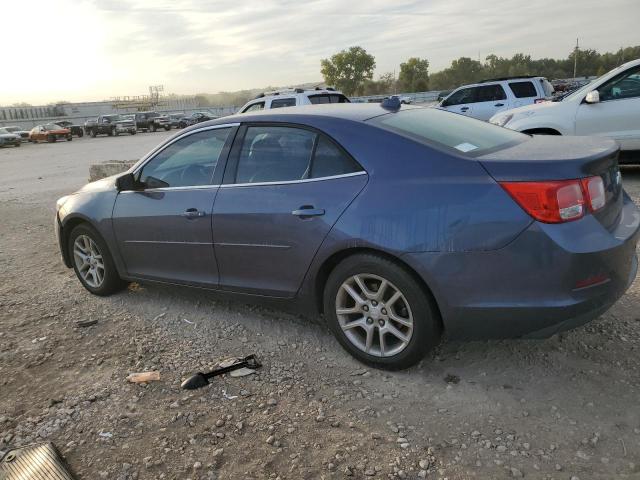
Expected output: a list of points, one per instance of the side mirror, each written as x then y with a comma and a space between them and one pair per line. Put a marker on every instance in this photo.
592, 97
126, 182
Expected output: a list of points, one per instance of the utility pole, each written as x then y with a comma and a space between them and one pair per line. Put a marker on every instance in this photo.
575, 59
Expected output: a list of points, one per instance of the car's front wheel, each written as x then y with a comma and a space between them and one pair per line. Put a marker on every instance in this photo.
380, 313
92, 262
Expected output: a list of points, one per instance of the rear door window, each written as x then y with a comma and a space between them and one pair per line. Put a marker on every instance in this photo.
489, 93
284, 154
328, 98
523, 89
283, 102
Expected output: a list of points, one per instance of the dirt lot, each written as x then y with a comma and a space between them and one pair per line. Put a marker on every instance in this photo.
563, 408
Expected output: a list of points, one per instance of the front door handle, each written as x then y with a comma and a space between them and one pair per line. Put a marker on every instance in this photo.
307, 211
192, 213
464, 109
499, 105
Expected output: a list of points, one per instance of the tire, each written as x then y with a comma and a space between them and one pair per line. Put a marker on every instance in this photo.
93, 133
415, 307
153, 127
167, 128
69, 138
111, 132
80, 134
18, 144
133, 132
110, 280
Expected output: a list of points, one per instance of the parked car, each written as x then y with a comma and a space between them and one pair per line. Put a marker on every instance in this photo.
49, 132
152, 121
194, 118
76, 130
24, 134
110, 125
8, 138
485, 99
174, 119
472, 230
607, 107
294, 97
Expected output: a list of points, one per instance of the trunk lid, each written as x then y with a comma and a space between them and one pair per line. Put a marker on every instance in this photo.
545, 158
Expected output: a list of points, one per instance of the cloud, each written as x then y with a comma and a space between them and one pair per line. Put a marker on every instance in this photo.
211, 45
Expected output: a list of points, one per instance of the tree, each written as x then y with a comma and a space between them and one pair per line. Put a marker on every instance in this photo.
348, 69
414, 75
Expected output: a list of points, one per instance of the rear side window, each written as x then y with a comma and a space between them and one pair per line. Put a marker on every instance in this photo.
489, 93
328, 98
450, 130
329, 160
283, 102
523, 89
280, 154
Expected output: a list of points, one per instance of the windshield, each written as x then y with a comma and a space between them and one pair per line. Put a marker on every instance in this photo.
4, 130
12, 129
113, 118
588, 87
450, 130
52, 126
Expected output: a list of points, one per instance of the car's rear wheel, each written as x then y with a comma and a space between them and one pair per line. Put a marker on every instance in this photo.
111, 132
167, 128
17, 144
153, 127
93, 133
92, 262
80, 134
69, 138
380, 313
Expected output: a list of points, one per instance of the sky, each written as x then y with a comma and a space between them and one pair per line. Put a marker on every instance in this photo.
84, 50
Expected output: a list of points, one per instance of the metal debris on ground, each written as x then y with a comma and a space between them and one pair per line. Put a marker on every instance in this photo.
201, 379
143, 377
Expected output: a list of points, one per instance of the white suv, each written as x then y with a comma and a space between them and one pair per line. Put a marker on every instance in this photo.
294, 97
485, 99
609, 106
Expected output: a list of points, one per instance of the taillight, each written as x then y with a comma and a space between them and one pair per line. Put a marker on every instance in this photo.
558, 201
594, 188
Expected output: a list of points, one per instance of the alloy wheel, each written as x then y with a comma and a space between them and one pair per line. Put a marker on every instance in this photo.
88, 260
374, 315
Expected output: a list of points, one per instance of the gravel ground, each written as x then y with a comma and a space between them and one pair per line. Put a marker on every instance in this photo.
563, 408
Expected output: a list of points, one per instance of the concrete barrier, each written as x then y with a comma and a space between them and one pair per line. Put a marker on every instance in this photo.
108, 168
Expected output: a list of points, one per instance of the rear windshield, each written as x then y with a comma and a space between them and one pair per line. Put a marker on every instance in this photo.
450, 130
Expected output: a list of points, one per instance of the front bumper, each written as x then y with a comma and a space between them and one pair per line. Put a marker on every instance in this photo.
528, 288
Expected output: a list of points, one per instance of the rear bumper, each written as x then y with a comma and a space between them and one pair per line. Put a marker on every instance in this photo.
528, 288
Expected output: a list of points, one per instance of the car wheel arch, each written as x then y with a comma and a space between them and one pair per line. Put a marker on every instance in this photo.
331, 262
66, 230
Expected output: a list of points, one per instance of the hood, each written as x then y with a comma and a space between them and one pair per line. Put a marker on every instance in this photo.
102, 185
536, 109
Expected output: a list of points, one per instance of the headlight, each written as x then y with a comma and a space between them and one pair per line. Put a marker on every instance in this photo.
502, 120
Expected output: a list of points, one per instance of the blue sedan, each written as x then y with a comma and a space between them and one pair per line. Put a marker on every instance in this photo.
398, 223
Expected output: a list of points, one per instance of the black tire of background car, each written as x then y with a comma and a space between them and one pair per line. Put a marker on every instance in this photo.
80, 134
18, 144
112, 282
153, 127
167, 127
133, 132
93, 133
112, 130
426, 318
69, 138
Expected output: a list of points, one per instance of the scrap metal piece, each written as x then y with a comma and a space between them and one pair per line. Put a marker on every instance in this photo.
34, 462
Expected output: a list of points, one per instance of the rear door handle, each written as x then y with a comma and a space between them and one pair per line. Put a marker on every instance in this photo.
499, 105
307, 211
192, 213
464, 109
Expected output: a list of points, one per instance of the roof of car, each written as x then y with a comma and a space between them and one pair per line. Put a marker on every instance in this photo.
357, 112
